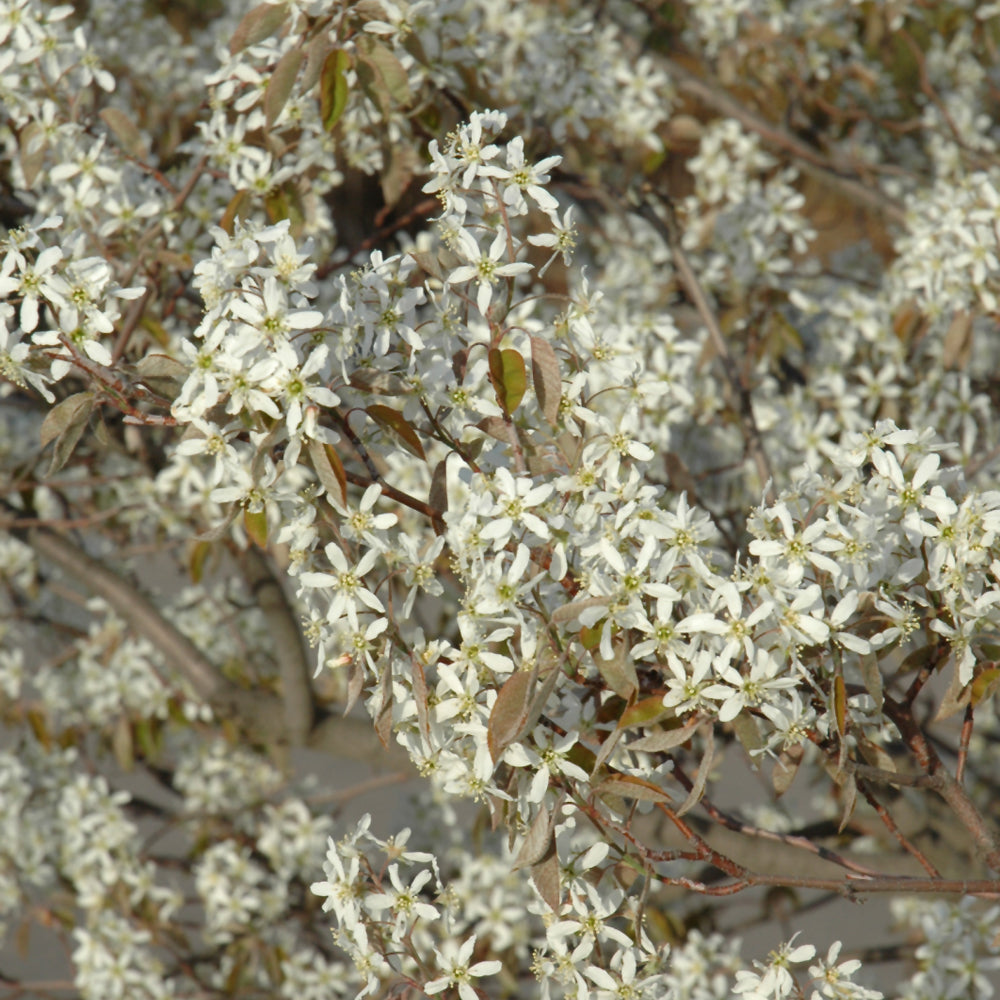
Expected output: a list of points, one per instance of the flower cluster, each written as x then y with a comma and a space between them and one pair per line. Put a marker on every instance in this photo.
521, 383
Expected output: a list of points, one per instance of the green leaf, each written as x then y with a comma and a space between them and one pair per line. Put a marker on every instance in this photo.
255, 522
285, 202
590, 637
643, 713
985, 685
122, 743
333, 89
508, 377
196, 560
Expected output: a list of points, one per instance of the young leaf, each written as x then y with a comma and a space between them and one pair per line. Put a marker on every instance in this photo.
382, 75
124, 130
745, 727
333, 89
508, 377
498, 428
329, 469
546, 378
32, 145
545, 875
196, 560
666, 739
280, 85
255, 522
232, 212
643, 713
397, 174
985, 685
704, 768
618, 671
510, 712
850, 787
785, 768
437, 497
65, 423
840, 703
394, 421
871, 674
259, 23
65, 414
627, 786
419, 687
538, 843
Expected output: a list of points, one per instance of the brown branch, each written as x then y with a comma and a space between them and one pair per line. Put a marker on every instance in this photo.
399, 496
293, 659
963, 744
810, 160
890, 825
739, 826
261, 714
851, 886
669, 231
944, 783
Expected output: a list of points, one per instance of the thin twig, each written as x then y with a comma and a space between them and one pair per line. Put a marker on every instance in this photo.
810, 160
945, 784
739, 826
963, 743
669, 230
260, 713
890, 825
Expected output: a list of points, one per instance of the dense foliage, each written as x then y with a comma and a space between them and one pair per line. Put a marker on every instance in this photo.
572, 401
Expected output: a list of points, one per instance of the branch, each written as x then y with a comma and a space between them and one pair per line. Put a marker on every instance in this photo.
669, 231
260, 714
945, 784
739, 826
293, 659
810, 160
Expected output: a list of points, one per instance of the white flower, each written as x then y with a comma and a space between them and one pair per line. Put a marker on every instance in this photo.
484, 266
753, 689
345, 584
457, 971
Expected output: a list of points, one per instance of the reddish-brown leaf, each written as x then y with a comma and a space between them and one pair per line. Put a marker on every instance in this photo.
546, 378
259, 23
